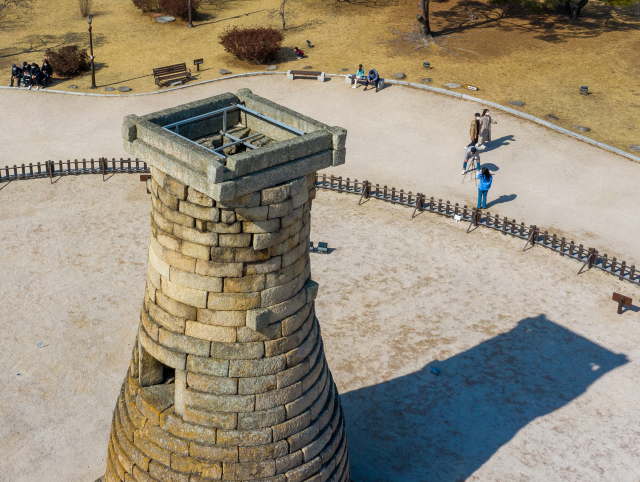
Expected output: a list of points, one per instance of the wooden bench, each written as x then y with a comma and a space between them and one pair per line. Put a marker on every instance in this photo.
305, 73
171, 72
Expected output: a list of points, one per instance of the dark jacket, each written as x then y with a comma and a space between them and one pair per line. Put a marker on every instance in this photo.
16, 72
47, 69
26, 70
373, 75
35, 72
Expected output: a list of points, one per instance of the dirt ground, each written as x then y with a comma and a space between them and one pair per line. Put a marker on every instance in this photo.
541, 177
509, 56
539, 376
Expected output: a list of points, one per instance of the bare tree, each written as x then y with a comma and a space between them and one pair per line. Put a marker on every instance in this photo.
6, 5
283, 13
85, 8
423, 18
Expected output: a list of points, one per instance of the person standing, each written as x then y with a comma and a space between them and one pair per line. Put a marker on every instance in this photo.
475, 129
472, 154
16, 74
484, 185
359, 76
485, 129
372, 77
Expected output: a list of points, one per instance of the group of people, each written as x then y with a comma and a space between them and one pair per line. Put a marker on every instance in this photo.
31, 74
480, 135
371, 77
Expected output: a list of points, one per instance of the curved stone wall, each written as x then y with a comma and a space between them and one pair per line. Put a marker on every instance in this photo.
228, 379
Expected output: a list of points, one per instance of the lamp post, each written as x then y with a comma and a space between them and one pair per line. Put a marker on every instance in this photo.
190, 24
93, 67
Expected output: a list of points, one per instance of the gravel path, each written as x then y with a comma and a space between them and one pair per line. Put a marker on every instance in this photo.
401, 137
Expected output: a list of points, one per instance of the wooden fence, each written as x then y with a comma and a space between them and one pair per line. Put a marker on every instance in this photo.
589, 257
53, 169
532, 235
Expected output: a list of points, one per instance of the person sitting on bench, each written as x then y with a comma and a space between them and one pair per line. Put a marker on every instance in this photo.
298, 52
359, 76
26, 74
16, 74
372, 77
47, 72
36, 76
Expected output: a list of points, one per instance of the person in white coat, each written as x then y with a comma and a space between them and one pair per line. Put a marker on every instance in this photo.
485, 129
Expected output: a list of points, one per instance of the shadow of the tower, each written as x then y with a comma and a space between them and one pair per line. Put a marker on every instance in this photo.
422, 427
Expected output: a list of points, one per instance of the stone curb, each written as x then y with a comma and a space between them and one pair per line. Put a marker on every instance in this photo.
438, 90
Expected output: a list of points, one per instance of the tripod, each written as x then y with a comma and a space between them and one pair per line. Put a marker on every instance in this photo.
472, 168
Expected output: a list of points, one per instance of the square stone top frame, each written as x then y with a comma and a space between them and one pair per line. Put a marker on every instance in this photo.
290, 157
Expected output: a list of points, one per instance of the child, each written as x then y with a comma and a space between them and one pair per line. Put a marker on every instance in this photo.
298, 52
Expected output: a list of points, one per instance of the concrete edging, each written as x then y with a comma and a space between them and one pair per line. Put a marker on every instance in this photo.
438, 90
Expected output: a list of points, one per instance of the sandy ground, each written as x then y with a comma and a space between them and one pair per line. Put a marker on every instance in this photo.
539, 376
509, 55
401, 137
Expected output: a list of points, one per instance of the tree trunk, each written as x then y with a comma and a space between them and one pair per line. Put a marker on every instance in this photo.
567, 6
577, 8
425, 28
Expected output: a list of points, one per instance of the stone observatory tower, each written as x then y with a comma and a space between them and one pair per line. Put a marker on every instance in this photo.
228, 379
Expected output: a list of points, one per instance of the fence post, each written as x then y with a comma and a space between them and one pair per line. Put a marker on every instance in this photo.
401, 200
572, 247
632, 272
614, 262
324, 180
393, 195
446, 208
562, 243
623, 267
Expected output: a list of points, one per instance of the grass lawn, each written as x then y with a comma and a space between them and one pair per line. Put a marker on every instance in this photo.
541, 61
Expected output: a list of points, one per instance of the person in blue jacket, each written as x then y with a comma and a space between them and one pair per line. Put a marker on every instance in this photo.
484, 185
372, 77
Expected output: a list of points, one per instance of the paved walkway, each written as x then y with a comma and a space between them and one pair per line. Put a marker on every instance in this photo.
401, 137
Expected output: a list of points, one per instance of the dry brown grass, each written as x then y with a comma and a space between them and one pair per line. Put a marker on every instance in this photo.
539, 61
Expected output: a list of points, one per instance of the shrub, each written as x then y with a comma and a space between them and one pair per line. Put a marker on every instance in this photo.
256, 44
146, 5
179, 8
68, 61
85, 8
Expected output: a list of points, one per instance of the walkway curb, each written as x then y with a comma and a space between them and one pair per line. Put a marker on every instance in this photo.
438, 90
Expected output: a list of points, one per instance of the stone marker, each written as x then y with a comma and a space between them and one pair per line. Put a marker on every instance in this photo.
399, 75
426, 80
582, 128
165, 19
306, 67
517, 103
551, 117
224, 72
452, 85
426, 64
109, 89
228, 379
635, 148
73, 86
345, 70
272, 67
124, 88
176, 83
